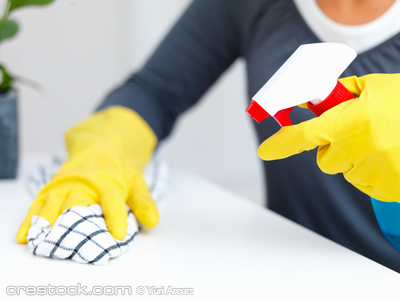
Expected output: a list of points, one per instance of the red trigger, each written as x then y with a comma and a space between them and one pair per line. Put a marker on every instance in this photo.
282, 117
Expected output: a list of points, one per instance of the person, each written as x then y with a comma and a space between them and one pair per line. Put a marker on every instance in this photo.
108, 151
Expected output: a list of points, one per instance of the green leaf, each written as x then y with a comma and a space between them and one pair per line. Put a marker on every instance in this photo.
10, 28
7, 81
20, 3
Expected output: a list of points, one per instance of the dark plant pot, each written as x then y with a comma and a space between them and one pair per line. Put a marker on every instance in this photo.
8, 135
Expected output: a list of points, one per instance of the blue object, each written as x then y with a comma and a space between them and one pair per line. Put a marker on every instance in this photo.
8, 135
388, 216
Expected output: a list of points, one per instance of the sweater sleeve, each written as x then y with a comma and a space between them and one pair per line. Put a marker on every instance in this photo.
199, 48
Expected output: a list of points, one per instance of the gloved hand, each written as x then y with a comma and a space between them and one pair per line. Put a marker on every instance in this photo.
359, 138
107, 154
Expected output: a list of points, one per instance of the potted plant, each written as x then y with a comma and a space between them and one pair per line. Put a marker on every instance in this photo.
8, 95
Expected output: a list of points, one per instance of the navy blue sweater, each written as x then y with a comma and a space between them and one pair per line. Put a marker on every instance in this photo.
206, 40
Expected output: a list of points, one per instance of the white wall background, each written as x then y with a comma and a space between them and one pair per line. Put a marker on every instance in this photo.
80, 50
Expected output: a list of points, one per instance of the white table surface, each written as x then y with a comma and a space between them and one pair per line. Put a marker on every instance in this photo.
209, 239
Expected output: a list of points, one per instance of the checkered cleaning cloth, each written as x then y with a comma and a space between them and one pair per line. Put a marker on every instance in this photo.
80, 233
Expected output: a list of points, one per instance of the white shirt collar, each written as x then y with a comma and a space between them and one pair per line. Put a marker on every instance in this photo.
359, 37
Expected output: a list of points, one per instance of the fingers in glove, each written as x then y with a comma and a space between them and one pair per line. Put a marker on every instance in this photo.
79, 196
35, 209
336, 124
114, 210
54, 202
290, 140
331, 160
142, 204
353, 84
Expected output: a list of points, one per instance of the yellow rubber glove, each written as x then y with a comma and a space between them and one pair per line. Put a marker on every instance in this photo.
359, 138
107, 154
